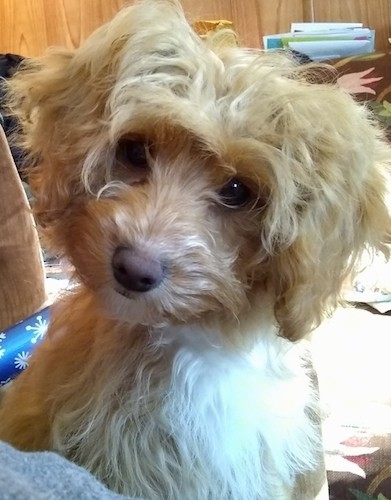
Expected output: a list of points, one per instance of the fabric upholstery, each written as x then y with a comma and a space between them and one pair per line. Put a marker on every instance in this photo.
22, 282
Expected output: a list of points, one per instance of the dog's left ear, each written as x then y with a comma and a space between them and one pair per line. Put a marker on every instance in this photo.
337, 169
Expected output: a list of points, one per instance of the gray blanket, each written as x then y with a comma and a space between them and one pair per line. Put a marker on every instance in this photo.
46, 476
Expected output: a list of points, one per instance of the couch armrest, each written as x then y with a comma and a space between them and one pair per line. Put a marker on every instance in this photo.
22, 281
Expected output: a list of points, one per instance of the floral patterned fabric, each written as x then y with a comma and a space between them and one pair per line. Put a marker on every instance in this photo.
368, 77
359, 456
351, 352
363, 471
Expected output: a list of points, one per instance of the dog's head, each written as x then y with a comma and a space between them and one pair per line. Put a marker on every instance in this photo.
183, 179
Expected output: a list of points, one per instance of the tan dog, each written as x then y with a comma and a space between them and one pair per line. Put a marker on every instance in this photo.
212, 202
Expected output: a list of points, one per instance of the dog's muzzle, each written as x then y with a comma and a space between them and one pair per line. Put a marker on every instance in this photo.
137, 271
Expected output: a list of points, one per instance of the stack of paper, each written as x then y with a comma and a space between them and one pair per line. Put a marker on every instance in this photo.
322, 41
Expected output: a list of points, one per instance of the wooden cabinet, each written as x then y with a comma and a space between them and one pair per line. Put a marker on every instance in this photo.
27, 27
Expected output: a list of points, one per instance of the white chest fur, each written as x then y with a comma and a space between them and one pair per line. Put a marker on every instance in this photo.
246, 415
218, 426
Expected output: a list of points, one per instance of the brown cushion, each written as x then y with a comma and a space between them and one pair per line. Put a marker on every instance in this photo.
22, 282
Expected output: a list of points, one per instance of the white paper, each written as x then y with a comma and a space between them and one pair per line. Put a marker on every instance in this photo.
309, 27
331, 50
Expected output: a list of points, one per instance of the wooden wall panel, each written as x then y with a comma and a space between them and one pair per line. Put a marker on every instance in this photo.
276, 16
374, 14
252, 18
69, 22
27, 27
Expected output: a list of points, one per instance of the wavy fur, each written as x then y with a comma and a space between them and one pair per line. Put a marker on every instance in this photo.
194, 389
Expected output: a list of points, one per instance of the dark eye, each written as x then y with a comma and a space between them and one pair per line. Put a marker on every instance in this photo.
132, 152
234, 193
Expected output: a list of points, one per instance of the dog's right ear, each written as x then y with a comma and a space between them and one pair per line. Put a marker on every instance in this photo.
38, 96
58, 102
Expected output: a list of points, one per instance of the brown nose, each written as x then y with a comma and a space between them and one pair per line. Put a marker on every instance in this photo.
136, 271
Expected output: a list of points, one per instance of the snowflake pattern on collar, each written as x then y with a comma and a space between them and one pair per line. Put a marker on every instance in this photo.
18, 342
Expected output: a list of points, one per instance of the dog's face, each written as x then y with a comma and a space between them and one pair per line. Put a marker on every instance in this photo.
173, 235
183, 179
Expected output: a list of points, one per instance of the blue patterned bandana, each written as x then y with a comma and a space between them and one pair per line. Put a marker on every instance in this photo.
18, 342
